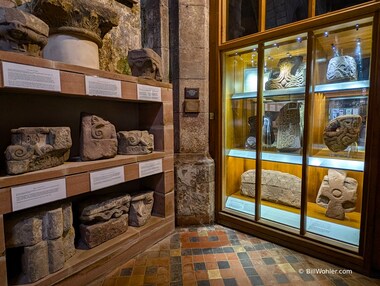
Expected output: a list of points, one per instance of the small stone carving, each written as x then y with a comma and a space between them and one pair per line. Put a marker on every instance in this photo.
97, 139
135, 142
289, 130
337, 194
145, 63
342, 131
276, 187
102, 220
341, 68
267, 132
22, 32
141, 208
47, 239
37, 148
291, 72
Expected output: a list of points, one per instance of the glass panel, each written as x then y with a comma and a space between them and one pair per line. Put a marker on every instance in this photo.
282, 129
281, 12
324, 6
240, 90
338, 130
242, 18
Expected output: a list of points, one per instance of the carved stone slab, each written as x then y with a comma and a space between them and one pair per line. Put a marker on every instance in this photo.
37, 148
276, 187
338, 194
341, 68
289, 129
97, 138
145, 63
342, 131
135, 142
141, 208
22, 32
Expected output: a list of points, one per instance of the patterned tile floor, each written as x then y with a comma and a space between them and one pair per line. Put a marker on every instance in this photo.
216, 255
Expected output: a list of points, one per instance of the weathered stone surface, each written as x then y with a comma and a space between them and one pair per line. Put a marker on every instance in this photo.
95, 210
276, 187
37, 148
67, 214
289, 130
97, 139
338, 194
145, 63
23, 232
35, 261
342, 131
141, 208
95, 234
52, 224
22, 32
267, 132
56, 254
341, 68
68, 243
135, 142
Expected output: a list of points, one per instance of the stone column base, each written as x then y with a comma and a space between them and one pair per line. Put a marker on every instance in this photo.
194, 189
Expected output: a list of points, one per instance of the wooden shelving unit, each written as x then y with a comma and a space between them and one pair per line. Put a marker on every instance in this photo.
154, 115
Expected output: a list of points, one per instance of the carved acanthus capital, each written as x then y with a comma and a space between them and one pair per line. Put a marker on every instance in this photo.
90, 19
145, 63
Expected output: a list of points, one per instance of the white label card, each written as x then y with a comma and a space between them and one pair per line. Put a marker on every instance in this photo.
24, 76
148, 168
31, 195
147, 92
106, 178
103, 86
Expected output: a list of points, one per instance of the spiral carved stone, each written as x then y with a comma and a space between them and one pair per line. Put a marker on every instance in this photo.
341, 68
291, 72
342, 131
135, 142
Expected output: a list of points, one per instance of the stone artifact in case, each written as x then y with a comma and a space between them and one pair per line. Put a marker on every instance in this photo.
342, 131
276, 187
135, 142
141, 208
37, 148
341, 68
337, 194
97, 139
289, 128
145, 63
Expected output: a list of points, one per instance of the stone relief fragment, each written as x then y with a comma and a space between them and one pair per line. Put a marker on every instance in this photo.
103, 219
342, 131
145, 63
341, 68
46, 236
338, 194
141, 208
22, 32
97, 139
135, 142
268, 136
289, 128
276, 187
37, 148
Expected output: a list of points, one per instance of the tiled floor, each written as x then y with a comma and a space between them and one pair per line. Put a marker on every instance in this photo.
216, 255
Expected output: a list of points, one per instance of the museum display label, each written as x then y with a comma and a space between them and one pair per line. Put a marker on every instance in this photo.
150, 168
106, 178
103, 87
146, 92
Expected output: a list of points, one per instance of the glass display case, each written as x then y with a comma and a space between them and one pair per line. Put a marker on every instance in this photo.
294, 131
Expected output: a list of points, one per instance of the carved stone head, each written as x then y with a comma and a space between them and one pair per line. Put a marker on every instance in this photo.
141, 208
145, 63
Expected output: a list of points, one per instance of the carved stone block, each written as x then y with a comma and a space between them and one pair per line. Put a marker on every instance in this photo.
289, 129
97, 139
145, 63
135, 142
35, 261
338, 194
141, 208
342, 131
23, 232
276, 187
37, 148
22, 32
342, 68
267, 132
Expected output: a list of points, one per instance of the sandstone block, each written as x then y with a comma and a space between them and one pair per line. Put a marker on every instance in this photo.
135, 142
23, 232
52, 224
145, 63
35, 261
68, 243
67, 214
56, 254
141, 208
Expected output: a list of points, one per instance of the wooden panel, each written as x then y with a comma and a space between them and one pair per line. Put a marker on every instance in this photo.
3, 271
152, 156
2, 237
77, 184
6, 201
72, 83
235, 167
169, 181
23, 59
168, 113
128, 90
168, 164
154, 82
168, 139
166, 94
163, 204
131, 172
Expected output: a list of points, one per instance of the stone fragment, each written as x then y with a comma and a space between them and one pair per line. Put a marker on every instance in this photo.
289, 130
342, 131
37, 148
135, 142
56, 254
23, 232
341, 68
338, 194
276, 187
35, 261
141, 208
145, 63
22, 32
97, 139
95, 234
52, 224
68, 243
67, 214
267, 132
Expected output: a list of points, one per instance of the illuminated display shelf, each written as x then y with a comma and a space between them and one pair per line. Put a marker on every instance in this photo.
341, 86
344, 164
